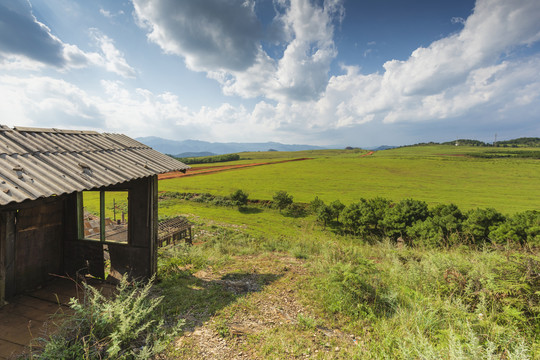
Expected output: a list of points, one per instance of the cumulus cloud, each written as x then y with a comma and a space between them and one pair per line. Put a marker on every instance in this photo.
224, 38
52, 102
23, 35
469, 77
467, 74
44, 101
208, 34
27, 44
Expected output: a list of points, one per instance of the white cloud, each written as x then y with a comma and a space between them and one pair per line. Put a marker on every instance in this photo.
470, 77
110, 15
27, 44
46, 101
224, 39
208, 34
112, 59
458, 76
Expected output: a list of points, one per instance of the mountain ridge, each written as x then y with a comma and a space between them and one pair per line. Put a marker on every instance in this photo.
175, 147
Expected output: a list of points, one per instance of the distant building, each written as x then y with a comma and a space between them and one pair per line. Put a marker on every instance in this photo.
69, 197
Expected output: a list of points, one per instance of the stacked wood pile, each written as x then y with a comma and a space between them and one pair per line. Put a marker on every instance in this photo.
174, 230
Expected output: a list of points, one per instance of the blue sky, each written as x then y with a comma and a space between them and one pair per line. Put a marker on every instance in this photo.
324, 72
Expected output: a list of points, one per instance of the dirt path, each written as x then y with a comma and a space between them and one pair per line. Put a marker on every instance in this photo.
258, 316
213, 169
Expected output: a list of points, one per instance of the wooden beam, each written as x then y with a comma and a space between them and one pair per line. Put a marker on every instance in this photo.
7, 255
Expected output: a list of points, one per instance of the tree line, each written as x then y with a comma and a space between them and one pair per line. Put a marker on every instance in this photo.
413, 222
209, 159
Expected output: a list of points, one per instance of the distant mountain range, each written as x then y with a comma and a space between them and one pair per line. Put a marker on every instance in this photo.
194, 147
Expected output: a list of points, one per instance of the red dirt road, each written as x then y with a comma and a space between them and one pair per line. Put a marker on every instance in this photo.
213, 169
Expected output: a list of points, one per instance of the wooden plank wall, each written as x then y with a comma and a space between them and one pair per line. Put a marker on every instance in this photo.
139, 256
38, 244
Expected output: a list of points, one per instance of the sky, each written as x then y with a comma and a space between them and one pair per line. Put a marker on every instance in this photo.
321, 72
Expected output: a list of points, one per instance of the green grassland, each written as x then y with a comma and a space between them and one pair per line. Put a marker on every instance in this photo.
260, 284
435, 174
351, 298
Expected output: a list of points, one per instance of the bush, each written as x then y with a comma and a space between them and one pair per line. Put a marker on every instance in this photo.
239, 198
365, 217
126, 327
402, 216
442, 227
282, 200
209, 159
315, 205
296, 210
479, 224
522, 228
324, 214
337, 207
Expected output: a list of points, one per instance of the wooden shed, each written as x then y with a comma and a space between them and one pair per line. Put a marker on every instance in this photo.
72, 202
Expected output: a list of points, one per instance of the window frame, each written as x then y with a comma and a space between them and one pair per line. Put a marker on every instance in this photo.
80, 218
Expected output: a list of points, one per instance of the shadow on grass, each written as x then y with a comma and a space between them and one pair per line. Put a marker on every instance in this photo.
196, 299
250, 210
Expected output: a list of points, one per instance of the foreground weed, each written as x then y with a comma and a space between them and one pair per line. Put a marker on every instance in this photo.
125, 327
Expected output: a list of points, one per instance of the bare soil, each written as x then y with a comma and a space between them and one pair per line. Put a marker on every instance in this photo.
217, 168
240, 330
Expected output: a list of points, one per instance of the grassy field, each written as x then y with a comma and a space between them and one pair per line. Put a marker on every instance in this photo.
435, 174
259, 284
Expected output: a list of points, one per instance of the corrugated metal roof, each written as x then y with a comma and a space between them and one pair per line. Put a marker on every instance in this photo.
38, 163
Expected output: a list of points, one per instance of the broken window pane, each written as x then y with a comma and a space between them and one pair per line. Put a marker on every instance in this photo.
91, 215
104, 216
116, 216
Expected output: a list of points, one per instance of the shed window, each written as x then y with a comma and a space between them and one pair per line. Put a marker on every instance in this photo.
103, 216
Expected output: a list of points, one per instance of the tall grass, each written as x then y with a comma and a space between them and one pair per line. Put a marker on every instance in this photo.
427, 304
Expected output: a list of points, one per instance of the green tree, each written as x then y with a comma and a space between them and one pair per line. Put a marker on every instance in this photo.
325, 214
402, 216
365, 217
480, 222
442, 227
522, 228
239, 198
337, 207
315, 205
282, 200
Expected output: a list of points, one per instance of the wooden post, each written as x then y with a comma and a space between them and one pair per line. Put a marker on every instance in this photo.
7, 255
153, 217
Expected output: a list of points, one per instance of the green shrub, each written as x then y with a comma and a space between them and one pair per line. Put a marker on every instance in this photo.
325, 214
480, 222
315, 205
337, 207
125, 327
402, 216
239, 198
296, 210
441, 228
522, 228
365, 217
282, 199
210, 159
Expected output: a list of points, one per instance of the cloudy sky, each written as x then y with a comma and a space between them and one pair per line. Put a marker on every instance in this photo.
322, 72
